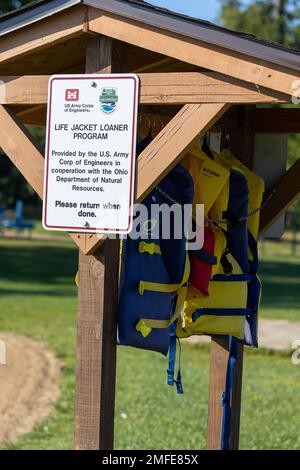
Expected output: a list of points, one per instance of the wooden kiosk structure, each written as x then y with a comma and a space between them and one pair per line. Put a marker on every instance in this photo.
194, 75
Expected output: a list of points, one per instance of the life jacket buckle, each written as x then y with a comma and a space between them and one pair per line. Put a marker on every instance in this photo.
141, 288
143, 328
147, 248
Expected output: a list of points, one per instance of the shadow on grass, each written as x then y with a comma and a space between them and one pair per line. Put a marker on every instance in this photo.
39, 292
281, 284
38, 264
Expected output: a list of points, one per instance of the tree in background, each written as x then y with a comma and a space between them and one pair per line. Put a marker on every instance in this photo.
275, 20
13, 186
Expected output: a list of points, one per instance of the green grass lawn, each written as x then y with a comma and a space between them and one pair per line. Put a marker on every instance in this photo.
38, 298
280, 272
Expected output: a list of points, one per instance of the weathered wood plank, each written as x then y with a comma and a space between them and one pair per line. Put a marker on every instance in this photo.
50, 31
156, 88
217, 374
278, 121
97, 318
188, 50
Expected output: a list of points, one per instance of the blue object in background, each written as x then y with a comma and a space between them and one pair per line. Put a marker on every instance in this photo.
18, 223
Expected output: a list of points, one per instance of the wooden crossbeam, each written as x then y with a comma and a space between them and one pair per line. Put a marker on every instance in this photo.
168, 148
171, 44
156, 88
278, 121
285, 192
23, 151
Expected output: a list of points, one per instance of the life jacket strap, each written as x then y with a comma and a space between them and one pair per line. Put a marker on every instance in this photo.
166, 288
227, 393
243, 277
226, 312
157, 287
204, 256
150, 248
145, 325
172, 360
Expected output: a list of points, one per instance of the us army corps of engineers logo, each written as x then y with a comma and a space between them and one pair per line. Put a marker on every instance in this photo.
108, 100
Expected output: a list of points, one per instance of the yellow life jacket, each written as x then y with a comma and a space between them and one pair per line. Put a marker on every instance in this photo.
220, 313
212, 190
212, 180
256, 187
223, 311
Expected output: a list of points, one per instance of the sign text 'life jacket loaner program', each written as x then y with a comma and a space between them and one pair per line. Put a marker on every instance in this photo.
90, 153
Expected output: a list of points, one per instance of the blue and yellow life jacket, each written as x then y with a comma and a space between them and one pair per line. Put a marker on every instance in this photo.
231, 306
154, 272
255, 197
224, 309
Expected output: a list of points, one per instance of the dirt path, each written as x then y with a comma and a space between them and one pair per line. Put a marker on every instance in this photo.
28, 385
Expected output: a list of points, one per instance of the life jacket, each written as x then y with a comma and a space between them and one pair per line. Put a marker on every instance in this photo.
212, 191
243, 192
223, 310
154, 272
213, 179
242, 236
256, 190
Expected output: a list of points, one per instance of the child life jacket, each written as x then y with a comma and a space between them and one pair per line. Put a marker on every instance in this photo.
224, 310
154, 272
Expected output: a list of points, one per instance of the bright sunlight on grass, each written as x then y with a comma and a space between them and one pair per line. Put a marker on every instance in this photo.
38, 298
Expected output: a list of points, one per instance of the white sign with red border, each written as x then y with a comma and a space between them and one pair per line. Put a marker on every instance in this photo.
90, 153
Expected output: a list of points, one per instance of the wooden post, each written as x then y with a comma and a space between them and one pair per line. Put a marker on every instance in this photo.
97, 318
242, 146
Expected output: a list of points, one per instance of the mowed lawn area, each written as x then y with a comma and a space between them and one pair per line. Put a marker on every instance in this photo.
38, 298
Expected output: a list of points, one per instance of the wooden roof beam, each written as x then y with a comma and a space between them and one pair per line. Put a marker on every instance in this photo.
278, 121
45, 33
156, 88
171, 44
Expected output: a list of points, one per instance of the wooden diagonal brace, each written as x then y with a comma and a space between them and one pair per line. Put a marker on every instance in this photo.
285, 192
23, 151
